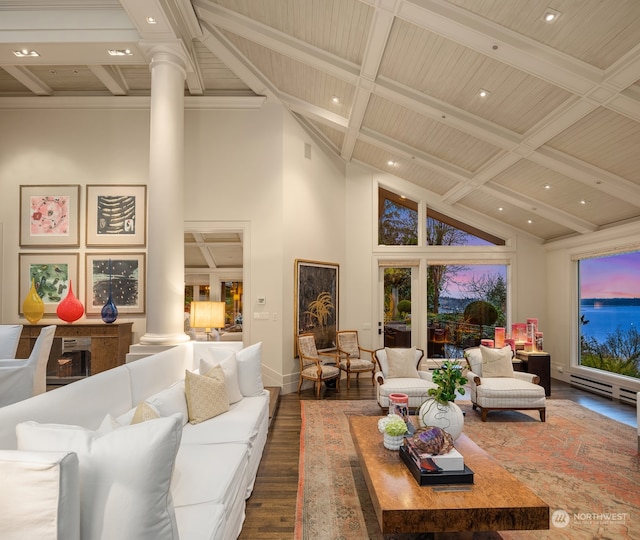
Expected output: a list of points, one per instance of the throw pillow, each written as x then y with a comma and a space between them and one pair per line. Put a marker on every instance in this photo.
474, 360
144, 411
170, 401
402, 363
125, 475
230, 367
250, 370
496, 362
206, 395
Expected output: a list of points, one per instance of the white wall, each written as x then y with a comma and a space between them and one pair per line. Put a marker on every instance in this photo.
313, 222
245, 166
42, 147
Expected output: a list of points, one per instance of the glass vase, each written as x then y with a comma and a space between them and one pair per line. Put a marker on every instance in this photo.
70, 309
33, 306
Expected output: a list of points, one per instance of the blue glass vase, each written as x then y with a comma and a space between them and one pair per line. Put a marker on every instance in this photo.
109, 311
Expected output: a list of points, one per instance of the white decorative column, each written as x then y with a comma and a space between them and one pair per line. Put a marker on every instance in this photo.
165, 247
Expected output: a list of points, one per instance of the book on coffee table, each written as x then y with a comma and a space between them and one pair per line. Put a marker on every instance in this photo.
451, 461
423, 478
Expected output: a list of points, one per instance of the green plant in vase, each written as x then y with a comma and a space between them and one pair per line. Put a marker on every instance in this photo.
440, 409
450, 382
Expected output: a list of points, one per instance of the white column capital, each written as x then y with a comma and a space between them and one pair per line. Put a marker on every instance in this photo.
167, 52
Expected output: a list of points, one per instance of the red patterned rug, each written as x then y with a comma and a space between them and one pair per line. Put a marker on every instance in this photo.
582, 464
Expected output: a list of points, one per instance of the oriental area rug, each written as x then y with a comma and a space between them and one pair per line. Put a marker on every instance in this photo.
582, 464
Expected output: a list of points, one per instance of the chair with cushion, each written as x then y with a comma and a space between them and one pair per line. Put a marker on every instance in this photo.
496, 386
352, 357
23, 378
312, 366
399, 374
9, 339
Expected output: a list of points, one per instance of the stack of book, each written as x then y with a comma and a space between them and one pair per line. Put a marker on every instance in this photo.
429, 469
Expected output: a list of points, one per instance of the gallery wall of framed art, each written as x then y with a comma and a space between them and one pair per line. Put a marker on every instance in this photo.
51, 243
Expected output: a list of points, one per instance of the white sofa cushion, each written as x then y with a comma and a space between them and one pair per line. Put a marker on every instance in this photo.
213, 474
230, 367
209, 473
250, 370
125, 475
40, 495
171, 400
205, 521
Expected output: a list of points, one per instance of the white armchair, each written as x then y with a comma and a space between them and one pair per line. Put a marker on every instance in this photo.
399, 373
22, 378
495, 385
9, 339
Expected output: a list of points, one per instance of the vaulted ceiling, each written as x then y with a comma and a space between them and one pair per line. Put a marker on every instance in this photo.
553, 148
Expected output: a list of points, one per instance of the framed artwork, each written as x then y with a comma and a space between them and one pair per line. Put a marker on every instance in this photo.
126, 271
49, 216
316, 302
116, 215
52, 272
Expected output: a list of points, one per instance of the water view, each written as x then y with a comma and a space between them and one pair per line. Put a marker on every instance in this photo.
606, 319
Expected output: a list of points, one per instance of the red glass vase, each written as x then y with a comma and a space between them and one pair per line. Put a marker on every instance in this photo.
70, 309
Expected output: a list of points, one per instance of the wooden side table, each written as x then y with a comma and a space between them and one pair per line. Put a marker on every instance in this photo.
109, 342
538, 363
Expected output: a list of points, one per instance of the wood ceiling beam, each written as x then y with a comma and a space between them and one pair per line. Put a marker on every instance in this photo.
28, 79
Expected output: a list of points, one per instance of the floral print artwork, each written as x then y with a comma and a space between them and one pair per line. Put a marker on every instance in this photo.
49, 215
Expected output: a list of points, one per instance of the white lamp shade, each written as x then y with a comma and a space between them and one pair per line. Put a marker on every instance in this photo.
207, 315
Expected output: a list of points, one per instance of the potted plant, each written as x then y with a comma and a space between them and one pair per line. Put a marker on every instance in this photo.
439, 409
393, 428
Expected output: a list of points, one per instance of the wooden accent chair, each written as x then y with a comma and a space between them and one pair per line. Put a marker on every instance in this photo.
352, 357
312, 366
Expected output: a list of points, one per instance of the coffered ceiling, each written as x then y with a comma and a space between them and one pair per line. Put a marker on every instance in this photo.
553, 149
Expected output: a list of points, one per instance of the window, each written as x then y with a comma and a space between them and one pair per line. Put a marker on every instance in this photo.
610, 313
445, 231
397, 220
231, 295
465, 303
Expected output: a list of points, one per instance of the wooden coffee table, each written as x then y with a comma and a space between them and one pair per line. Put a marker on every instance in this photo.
496, 501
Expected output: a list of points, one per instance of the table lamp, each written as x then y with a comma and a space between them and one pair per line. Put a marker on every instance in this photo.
207, 315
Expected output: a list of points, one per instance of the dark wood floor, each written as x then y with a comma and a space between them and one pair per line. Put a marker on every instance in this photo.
271, 509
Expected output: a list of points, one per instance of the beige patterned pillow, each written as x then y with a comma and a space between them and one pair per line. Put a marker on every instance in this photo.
206, 395
496, 362
402, 363
144, 411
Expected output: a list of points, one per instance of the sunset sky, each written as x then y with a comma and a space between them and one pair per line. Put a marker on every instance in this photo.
616, 276
457, 289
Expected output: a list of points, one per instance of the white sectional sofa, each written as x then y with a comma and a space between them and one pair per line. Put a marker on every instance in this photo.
78, 468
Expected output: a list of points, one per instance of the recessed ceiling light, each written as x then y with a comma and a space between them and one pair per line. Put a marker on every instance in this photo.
530, 221
550, 15
500, 209
547, 186
392, 163
151, 20
583, 201
23, 53
483, 93
335, 99
120, 52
